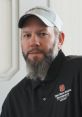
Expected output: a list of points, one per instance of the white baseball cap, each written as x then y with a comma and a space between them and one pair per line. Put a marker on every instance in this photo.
48, 16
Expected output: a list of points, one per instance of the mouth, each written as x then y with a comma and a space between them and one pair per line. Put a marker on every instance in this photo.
35, 52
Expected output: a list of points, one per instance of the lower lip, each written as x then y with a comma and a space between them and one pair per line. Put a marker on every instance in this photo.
34, 53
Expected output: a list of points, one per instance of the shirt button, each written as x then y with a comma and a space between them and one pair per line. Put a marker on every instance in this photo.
44, 99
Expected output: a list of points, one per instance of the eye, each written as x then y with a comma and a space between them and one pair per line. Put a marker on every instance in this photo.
27, 35
42, 34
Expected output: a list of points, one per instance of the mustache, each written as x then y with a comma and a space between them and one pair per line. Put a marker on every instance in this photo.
35, 49
31, 50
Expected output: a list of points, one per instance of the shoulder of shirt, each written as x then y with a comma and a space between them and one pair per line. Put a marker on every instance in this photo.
74, 60
70, 59
19, 87
15, 92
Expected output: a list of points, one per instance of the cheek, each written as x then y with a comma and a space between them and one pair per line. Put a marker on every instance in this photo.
48, 45
24, 47
51, 41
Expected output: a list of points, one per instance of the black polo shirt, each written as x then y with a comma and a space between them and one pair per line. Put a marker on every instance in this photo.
59, 95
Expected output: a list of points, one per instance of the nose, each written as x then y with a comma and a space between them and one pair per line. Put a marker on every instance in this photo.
34, 41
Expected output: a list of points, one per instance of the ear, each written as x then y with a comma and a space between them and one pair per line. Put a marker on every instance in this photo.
61, 39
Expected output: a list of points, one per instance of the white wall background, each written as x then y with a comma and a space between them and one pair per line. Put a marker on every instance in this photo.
12, 65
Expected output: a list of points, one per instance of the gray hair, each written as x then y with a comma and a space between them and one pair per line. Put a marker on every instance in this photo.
57, 32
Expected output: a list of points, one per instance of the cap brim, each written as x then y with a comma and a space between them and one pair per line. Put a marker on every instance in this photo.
25, 17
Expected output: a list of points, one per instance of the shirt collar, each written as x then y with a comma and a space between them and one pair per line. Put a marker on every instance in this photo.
55, 67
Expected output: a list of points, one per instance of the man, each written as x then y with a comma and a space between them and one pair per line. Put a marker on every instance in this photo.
53, 86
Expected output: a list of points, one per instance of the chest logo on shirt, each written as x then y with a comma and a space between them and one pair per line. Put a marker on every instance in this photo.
63, 95
62, 88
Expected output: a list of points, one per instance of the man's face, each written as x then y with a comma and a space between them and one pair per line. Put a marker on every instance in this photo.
37, 40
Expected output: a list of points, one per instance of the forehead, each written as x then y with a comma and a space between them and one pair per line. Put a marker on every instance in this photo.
33, 20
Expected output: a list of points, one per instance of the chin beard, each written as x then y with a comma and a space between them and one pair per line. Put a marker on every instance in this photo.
38, 70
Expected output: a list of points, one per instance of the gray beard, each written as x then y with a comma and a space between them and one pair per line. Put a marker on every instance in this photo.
40, 69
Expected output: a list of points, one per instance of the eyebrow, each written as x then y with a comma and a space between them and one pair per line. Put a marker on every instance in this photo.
39, 30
